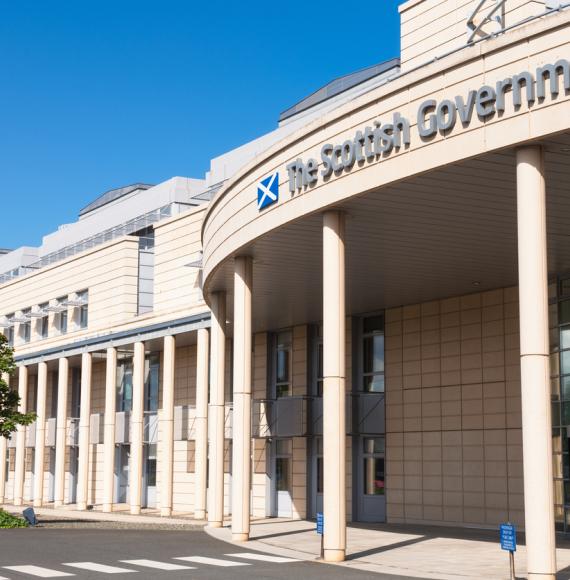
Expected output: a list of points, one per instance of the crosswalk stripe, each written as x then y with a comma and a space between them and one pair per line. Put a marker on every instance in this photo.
157, 565
262, 557
212, 561
94, 567
38, 571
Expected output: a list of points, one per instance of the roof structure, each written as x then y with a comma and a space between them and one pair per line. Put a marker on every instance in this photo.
112, 195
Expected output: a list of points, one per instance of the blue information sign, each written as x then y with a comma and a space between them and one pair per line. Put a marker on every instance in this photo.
508, 537
320, 523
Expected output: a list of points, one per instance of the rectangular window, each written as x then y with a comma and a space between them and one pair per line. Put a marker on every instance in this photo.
373, 354
10, 329
320, 465
373, 465
43, 321
317, 361
83, 316
61, 316
152, 374
283, 362
125, 384
26, 327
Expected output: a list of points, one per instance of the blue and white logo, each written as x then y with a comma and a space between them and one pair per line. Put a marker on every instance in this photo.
268, 191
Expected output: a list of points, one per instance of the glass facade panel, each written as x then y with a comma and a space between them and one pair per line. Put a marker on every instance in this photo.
283, 361
564, 312
282, 469
125, 385
373, 476
373, 354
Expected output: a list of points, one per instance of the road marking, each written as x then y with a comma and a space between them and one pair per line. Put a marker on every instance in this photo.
38, 571
262, 557
94, 567
212, 561
157, 565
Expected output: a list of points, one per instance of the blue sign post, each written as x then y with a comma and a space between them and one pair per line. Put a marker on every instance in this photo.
321, 531
508, 536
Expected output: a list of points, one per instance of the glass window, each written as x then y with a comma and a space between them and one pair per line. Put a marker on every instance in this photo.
61, 317
373, 354
26, 327
125, 385
564, 312
283, 447
283, 360
44, 321
152, 372
320, 465
10, 329
373, 466
317, 361
83, 317
282, 473
151, 466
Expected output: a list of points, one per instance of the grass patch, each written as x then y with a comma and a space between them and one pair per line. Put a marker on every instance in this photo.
9, 521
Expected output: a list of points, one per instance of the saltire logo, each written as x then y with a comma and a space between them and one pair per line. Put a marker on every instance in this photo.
268, 191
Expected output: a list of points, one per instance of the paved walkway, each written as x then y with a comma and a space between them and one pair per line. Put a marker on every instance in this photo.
433, 552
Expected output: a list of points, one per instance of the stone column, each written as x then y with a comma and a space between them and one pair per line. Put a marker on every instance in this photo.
109, 433
217, 410
137, 430
19, 470
334, 399
84, 422
201, 454
167, 420
241, 424
40, 435
61, 431
535, 370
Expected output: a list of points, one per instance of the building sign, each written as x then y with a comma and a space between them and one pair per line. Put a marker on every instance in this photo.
268, 191
508, 536
371, 143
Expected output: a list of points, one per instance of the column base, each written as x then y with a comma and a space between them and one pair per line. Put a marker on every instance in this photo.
215, 524
200, 515
81, 507
18, 502
240, 537
107, 508
536, 576
335, 555
38, 503
57, 504
165, 512
135, 510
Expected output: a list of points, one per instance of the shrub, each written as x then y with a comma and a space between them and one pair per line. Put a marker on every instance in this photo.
9, 521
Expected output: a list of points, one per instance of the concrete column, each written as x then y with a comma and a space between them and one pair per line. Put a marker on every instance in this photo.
109, 433
201, 453
217, 410
137, 430
334, 400
19, 469
84, 422
241, 424
167, 420
61, 432
3, 449
535, 371
40, 435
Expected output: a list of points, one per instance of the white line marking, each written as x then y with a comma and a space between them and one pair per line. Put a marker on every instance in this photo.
157, 565
262, 557
38, 571
94, 567
212, 561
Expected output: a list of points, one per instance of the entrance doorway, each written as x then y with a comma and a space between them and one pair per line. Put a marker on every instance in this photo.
149, 476
73, 471
316, 476
283, 486
122, 458
371, 489
51, 475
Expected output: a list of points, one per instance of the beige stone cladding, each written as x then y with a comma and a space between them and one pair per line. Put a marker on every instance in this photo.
453, 417
178, 243
109, 272
431, 28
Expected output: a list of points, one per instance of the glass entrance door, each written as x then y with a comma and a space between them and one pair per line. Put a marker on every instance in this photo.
122, 457
283, 478
372, 492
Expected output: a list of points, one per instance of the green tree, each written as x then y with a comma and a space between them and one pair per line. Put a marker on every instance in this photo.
10, 417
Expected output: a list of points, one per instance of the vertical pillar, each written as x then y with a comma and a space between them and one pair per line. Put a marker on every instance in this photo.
217, 410
40, 435
3, 449
334, 400
109, 433
535, 372
19, 468
201, 455
167, 431
84, 421
241, 424
61, 432
137, 430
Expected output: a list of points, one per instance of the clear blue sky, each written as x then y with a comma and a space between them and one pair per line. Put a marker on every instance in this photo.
96, 94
